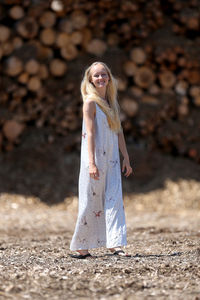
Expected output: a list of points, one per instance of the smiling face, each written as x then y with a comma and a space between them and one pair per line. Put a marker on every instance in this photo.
99, 76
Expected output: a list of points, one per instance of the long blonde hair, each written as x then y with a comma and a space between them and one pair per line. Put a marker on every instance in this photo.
89, 91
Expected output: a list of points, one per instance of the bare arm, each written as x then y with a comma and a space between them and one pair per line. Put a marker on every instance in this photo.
122, 146
89, 111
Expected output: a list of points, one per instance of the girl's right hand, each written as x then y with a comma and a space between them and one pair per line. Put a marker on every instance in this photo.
93, 171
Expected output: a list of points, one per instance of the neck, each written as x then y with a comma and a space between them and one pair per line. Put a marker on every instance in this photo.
102, 93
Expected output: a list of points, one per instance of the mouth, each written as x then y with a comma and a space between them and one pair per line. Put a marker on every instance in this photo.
101, 82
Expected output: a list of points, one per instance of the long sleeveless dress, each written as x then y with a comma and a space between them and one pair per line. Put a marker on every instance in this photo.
101, 217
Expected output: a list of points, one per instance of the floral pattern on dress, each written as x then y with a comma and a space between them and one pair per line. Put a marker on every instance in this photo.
101, 217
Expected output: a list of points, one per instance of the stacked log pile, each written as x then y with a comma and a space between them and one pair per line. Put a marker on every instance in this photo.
44, 47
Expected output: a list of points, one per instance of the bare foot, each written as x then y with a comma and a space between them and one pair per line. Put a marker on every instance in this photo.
114, 249
82, 252
119, 251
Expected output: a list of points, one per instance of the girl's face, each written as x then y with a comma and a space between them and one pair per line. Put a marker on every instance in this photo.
99, 76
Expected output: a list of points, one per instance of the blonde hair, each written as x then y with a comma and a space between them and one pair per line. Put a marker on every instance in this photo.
89, 91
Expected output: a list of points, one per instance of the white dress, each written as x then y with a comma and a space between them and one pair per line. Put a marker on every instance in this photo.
101, 217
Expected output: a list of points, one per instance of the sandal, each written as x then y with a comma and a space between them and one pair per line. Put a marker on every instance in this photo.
81, 256
121, 253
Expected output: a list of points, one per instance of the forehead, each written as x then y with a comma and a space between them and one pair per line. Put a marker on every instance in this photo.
97, 69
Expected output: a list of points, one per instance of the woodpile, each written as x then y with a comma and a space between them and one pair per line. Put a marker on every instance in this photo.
44, 48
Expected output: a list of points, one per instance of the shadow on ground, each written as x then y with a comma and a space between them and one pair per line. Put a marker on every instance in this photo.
50, 172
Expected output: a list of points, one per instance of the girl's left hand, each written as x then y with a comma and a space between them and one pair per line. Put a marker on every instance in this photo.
126, 164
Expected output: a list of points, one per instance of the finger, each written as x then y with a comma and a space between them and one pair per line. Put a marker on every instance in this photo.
127, 173
97, 175
130, 172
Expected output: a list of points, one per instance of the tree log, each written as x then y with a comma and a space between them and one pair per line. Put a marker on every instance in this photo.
4, 33
57, 67
196, 100
194, 77
12, 129
69, 52
34, 84
78, 20
129, 106
23, 78
17, 42
121, 84
145, 77
181, 87
48, 36
7, 48
136, 91
167, 79
16, 12
47, 19
43, 72
148, 99
130, 68
138, 56
194, 91
27, 28
97, 47
14, 66
62, 39
76, 37
32, 67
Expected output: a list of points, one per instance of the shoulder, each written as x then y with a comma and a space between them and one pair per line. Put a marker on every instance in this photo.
89, 105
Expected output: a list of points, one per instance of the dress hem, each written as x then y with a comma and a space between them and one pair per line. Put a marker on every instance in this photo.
103, 246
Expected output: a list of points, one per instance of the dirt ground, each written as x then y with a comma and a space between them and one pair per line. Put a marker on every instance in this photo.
38, 209
35, 261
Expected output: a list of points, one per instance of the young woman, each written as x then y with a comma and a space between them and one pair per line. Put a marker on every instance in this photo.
101, 218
